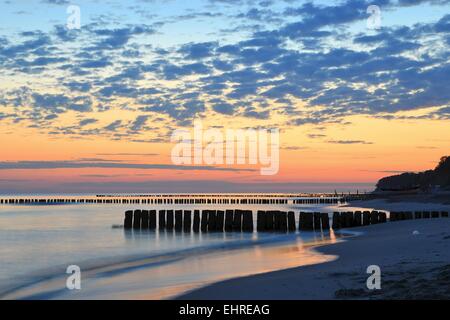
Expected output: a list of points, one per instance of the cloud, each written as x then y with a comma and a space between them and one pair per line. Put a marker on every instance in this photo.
39, 165
139, 123
223, 107
86, 122
113, 126
118, 38
349, 142
39, 41
294, 148
172, 72
195, 51
315, 136
128, 154
59, 102
57, 2
94, 64
252, 113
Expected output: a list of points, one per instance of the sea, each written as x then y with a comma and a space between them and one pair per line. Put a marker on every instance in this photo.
40, 244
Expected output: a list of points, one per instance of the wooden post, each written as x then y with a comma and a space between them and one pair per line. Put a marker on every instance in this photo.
220, 220
196, 225
144, 220
325, 220
301, 221
426, 214
162, 219
270, 216
261, 220
137, 219
374, 217
307, 221
169, 220
317, 221
247, 221
237, 220
393, 216
366, 218
152, 220
211, 220
291, 221
276, 221
418, 215
336, 220
204, 222
187, 221
382, 217
310, 221
349, 219
343, 219
357, 221
128, 221
228, 220
178, 220
283, 221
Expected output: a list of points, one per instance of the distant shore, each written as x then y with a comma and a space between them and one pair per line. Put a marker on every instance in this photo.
414, 257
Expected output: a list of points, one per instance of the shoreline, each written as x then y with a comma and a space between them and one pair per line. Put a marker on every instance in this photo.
413, 266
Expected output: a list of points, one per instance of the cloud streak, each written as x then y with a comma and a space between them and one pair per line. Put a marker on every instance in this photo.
38, 165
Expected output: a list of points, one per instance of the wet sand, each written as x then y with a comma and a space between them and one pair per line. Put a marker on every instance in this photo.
414, 257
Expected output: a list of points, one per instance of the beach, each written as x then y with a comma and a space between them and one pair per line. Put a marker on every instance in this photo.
414, 258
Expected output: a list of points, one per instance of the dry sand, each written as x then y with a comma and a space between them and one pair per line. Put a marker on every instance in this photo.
413, 266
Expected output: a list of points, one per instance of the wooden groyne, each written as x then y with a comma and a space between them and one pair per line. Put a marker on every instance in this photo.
266, 221
357, 219
182, 199
409, 215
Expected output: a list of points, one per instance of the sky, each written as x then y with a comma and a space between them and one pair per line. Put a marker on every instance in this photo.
92, 109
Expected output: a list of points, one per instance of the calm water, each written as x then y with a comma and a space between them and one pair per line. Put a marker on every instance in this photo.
37, 243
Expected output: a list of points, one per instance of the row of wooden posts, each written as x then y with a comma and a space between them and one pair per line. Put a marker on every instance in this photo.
357, 219
408, 215
242, 220
182, 220
170, 200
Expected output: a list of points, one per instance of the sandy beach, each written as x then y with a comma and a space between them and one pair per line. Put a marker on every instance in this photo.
414, 257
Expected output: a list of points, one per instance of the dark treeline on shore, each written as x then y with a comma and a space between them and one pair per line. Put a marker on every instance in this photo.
421, 181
